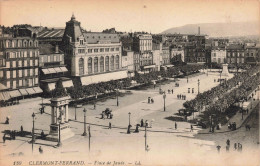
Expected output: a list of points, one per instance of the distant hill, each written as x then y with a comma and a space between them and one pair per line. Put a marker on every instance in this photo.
219, 29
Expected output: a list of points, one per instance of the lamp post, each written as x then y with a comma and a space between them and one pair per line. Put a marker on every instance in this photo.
59, 140
33, 116
89, 135
198, 86
117, 103
164, 96
95, 101
129, 118
84, 133
75, 111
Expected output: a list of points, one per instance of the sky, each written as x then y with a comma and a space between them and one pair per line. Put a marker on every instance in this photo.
127, 15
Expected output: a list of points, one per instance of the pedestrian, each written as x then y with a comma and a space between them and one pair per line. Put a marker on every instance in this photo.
22, 129
218, 147
42, 135
246, 111
214, 80
109, 125
142, 123
152, 101
4, 138
227, 148
172, 91
192, 90
149, 99
191, 128
7, 120
228, 142
235, 146
40, 150
175, 126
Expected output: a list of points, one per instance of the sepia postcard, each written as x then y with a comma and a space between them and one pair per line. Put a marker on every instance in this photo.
129, 82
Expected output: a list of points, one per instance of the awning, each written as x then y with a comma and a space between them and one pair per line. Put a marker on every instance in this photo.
6, 95
51, 70
150, 66
14, 93
23, 92
57, 69
2, 87
46, 71
30, 91
103, 77
63, 69
51, 86
37, 89
67, 84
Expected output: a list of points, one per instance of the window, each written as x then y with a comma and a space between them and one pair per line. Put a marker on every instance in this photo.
81, 42
81, 66
14, 84
20, 82
107, 49
95, 50
25, 54
14, 64
31, 62
112, 49
112, 63
107, 63
20, 73
19, 63
101, 49
117, 49
1, 73
25, 72
36, 62
95, 65
31, 72
89, 65
8, 64
101, 64
8, 84
30, 53
36, 80
14, 73
89, 50
36, 71
81, 50
54, 58
117, 62
25, 63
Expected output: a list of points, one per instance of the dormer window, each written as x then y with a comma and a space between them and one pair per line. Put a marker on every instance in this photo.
81, 42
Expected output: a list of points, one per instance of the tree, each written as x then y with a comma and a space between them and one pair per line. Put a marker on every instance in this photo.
59, 90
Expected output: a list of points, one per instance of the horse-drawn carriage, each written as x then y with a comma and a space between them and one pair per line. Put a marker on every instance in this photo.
107, 113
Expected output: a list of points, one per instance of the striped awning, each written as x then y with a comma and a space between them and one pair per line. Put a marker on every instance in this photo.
23, 92
37, 89
46, 71
51, 70
30, 91
5, 96
63, 69
14, 93
57, 69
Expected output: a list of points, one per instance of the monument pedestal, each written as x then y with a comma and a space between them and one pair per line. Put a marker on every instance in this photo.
225, 70
65, 132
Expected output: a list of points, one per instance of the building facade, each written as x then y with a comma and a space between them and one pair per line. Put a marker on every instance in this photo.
235, 54
19, 64
165, 56
218, 55
91, 53
177, 54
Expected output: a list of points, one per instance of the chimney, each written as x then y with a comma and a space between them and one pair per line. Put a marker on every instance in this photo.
56, 49
198, 30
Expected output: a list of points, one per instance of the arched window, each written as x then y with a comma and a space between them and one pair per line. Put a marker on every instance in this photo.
112, 63
95, 65
107, 63
19, 44
25, 43
30, 43
89, 65
35, 44
101, 62
81, 66
117, 62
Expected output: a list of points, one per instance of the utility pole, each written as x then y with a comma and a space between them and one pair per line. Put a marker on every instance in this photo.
89, 135
84, 133
33, 116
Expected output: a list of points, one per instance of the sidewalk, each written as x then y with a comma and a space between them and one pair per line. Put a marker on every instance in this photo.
236, 118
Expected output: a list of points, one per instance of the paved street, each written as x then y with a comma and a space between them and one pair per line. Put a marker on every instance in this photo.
162, 137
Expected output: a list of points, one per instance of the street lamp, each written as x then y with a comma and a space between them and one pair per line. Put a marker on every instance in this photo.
59, 141
164, 96
198, 86
117, 103
85, 133
129, 117
95, 101
75, 111
33, 116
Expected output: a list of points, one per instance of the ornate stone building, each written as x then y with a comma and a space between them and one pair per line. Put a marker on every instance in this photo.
91, 53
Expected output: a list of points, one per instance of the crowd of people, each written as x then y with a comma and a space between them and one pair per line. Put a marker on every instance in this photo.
227, 93
237, 146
